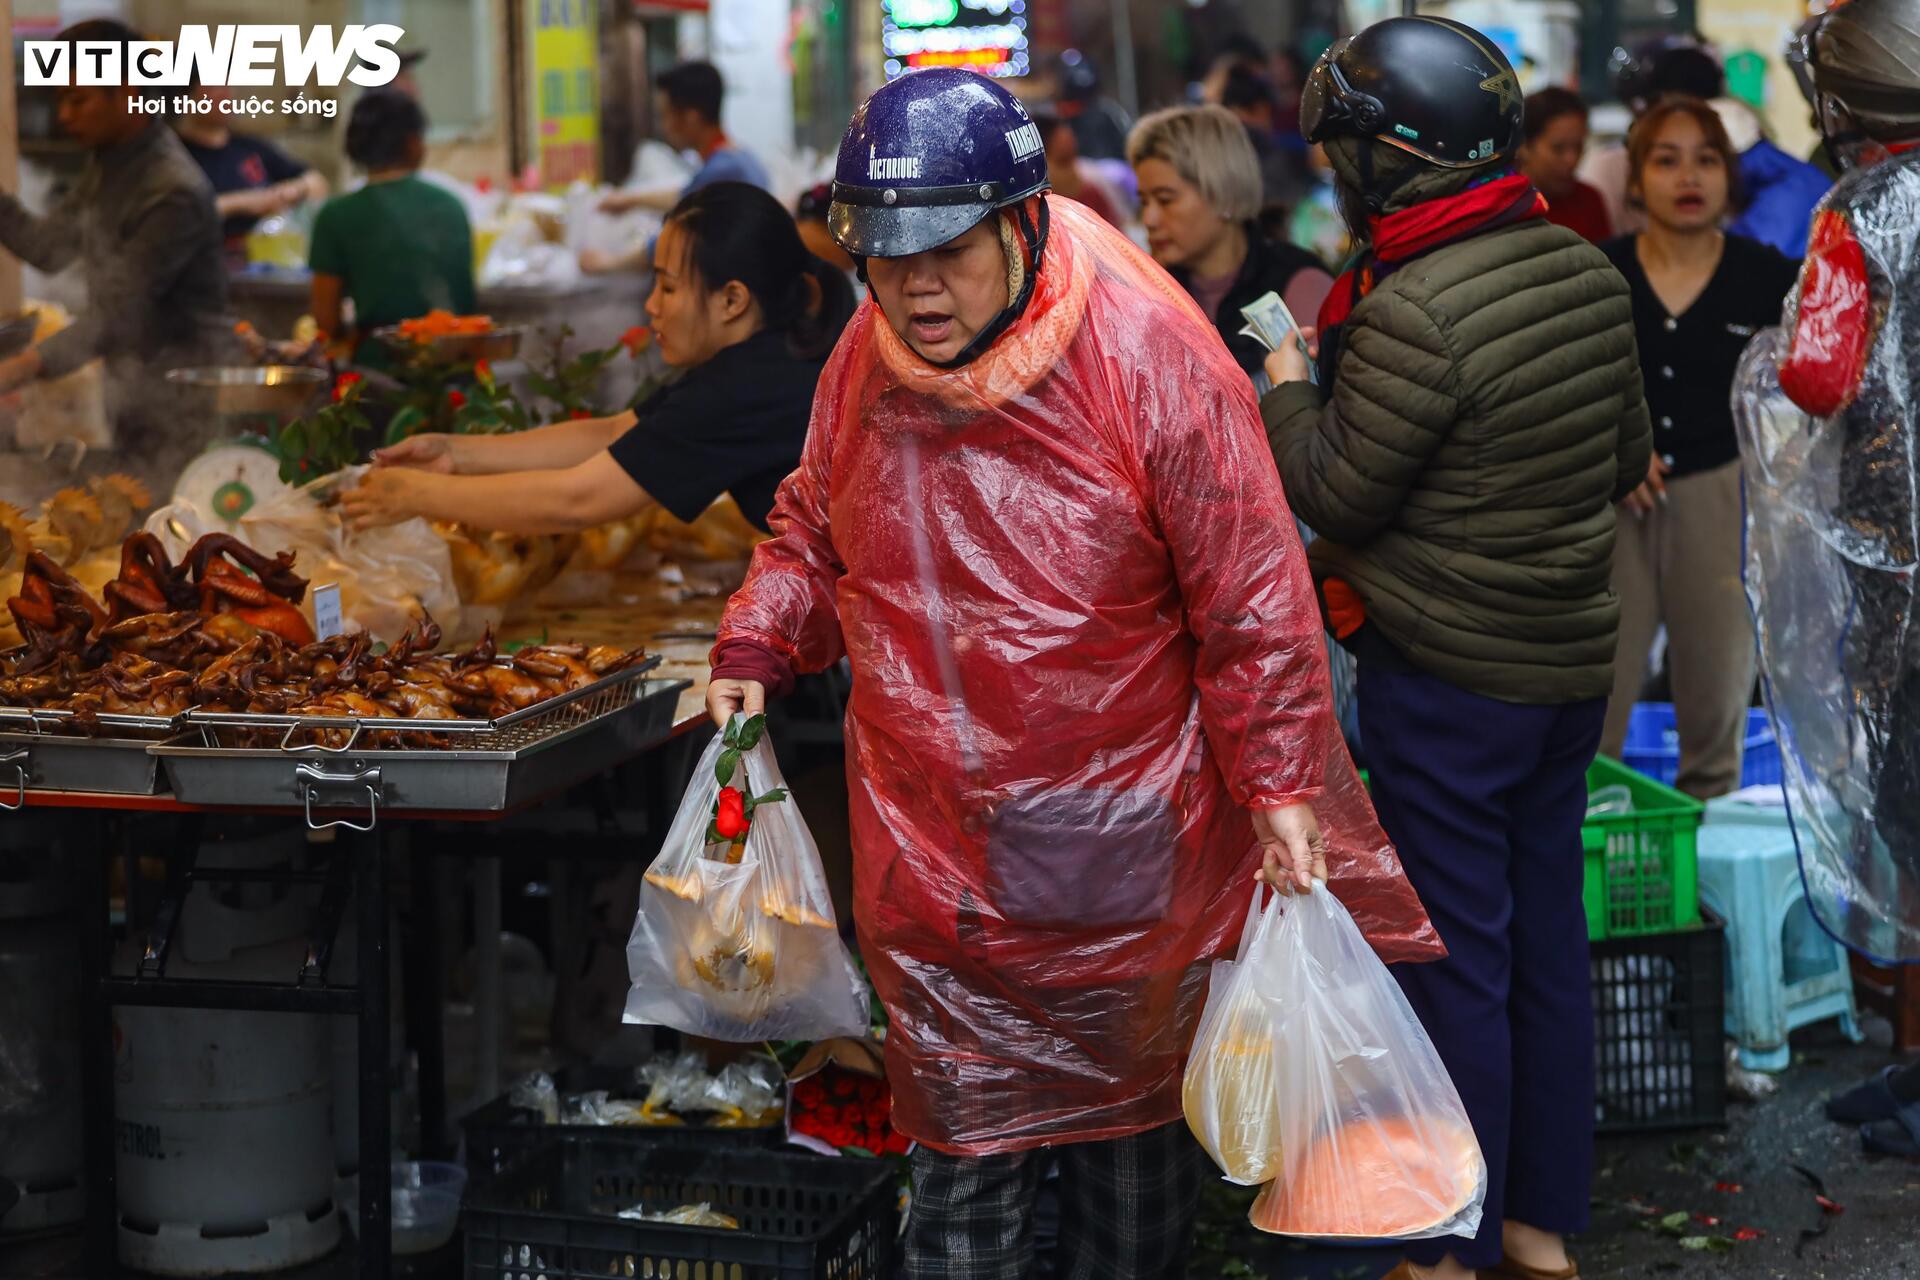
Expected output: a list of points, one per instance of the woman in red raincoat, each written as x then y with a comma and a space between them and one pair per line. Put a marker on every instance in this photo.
1037, 512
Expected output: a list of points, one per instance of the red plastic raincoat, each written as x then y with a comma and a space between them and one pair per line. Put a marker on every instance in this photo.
1083, 640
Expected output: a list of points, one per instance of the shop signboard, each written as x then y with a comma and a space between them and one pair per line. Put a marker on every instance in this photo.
563, 84
988, 36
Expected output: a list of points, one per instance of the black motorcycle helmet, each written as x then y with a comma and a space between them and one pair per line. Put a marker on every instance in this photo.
1432, 87
1859, 67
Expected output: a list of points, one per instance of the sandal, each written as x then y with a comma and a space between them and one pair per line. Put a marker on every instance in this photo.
1897, 1136
1508, 1269
1865, 1103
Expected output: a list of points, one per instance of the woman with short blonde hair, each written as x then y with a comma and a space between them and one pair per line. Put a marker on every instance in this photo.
1199, 183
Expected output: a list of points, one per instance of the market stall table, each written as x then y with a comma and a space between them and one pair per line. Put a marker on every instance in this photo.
358, 871
597, 308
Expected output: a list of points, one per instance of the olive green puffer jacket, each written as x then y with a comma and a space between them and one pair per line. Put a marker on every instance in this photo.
1486, 415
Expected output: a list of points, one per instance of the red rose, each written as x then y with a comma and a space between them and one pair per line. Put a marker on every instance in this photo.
636, 339
730, 814
454, 398
578, 414
828, 1115
483, 370
343, 385
897, 1144
843, 1086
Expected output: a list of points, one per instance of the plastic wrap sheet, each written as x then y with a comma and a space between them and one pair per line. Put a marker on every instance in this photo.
1084, 640
1831, 538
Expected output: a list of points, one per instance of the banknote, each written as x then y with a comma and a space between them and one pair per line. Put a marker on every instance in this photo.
1268, 322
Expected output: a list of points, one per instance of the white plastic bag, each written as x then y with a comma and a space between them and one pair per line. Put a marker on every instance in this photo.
1311, 1073
387, 576
736, 939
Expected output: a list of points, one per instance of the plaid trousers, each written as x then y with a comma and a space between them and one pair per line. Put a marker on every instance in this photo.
1126, 1209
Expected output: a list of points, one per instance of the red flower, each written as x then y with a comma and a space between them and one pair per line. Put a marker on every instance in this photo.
343, 385
1747, 1235
844, 1086
578, 414
483, 371
454, 398
896, 1144
828, 1115
636, 339
730, 814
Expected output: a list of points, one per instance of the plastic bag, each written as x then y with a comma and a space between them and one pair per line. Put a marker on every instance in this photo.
735, 937
387, 577
1310, 1072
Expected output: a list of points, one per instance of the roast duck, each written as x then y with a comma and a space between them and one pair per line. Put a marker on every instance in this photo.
223, 630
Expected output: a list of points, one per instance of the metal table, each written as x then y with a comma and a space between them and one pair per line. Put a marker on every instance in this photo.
357, 871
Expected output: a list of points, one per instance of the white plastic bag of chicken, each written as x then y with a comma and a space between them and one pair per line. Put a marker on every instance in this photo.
735, 938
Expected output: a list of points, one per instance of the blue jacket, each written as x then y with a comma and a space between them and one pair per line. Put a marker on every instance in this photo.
1781, 194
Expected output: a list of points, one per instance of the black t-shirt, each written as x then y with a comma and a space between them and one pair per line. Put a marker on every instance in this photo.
732, 425
1688, 361
244, 164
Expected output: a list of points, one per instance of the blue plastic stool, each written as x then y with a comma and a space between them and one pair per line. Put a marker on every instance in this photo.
1783, 970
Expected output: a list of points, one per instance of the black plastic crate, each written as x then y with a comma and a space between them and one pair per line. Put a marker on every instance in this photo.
1659, 1005
802, 1217
499, 1134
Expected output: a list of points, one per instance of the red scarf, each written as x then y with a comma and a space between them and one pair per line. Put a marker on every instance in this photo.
1410, 232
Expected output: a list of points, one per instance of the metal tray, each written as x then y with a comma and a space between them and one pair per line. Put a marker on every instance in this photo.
501, 343
362, 768
40, 750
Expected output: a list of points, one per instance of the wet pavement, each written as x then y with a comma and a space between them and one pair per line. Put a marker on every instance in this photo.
1667, 1204
1664, 1203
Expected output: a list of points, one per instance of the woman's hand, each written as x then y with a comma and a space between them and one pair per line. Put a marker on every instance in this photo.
1651, 494
385, 496
1294, 853
1290, 363
431, 451
725, 697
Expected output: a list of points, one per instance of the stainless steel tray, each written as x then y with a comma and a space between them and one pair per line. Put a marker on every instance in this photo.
41, 750
362, 768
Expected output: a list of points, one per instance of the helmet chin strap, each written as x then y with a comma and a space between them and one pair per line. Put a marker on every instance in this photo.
1036, 241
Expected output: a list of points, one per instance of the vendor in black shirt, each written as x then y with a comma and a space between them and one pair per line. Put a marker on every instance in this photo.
1699, 295
742, 310
252, 179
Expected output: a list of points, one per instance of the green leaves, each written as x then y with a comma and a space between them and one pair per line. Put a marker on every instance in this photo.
744, 734
723, 767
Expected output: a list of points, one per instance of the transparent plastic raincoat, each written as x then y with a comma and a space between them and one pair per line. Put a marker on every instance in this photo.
1827, 409
1083, 640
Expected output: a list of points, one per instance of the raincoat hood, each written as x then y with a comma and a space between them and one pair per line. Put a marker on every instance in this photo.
1084, 642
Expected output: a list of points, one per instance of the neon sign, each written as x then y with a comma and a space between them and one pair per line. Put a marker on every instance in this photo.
988, 36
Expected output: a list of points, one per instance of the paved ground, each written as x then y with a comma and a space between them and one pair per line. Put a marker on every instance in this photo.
1643, 1181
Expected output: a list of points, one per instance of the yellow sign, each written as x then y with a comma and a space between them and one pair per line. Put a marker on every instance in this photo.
566, 95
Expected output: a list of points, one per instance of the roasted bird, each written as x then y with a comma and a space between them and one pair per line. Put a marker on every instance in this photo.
223, 631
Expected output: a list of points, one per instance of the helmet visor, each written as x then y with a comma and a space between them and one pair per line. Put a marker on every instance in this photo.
1323, 106
896, 231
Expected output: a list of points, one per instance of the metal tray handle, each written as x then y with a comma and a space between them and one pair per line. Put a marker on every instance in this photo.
313, 778
19, 758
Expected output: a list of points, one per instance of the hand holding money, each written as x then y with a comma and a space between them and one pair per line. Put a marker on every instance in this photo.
1292, 364
1269, 322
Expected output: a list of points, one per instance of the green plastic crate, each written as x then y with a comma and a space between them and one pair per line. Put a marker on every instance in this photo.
1642, 875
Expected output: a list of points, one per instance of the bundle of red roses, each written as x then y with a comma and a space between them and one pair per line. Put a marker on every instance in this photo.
847, 1111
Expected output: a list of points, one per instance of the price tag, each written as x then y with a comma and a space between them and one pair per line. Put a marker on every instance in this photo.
326, 611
